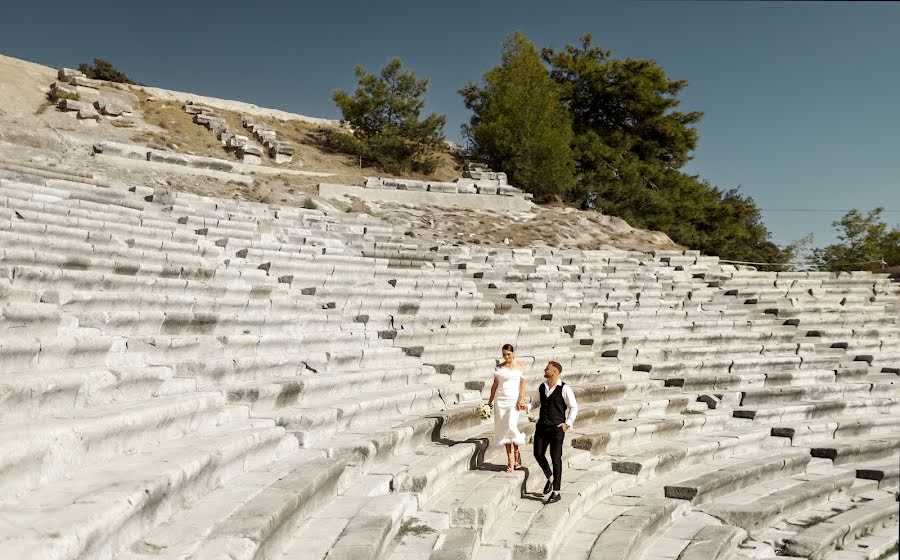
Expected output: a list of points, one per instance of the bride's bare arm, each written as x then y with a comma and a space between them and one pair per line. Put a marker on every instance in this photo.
493, 391
521, 402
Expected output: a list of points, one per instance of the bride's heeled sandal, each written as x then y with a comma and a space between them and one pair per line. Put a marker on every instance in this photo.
518, 461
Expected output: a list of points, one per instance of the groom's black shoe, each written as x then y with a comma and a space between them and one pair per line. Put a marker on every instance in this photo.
548, 487
554, 497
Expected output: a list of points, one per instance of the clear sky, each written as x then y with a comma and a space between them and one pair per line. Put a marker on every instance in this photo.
801, 99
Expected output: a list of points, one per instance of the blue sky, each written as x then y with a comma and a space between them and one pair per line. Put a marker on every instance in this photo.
801, 99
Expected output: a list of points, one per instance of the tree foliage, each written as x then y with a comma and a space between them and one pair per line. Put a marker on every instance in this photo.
103, 70
385, 114
519, 123
627, 137
864, 240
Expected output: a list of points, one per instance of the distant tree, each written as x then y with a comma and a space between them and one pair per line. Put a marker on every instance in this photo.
520, 124
103, 70
385, 115
630, 144
864, 240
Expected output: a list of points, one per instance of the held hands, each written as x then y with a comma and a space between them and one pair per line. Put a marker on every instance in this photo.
564, 426
522, 406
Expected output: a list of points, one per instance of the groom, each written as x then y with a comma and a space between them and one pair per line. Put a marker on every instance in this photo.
558, 410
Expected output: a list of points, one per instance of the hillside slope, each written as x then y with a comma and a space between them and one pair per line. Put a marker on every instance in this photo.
32, 129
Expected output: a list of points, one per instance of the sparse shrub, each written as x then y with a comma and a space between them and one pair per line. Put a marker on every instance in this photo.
413, 526
103, 70
65, 95
384, 113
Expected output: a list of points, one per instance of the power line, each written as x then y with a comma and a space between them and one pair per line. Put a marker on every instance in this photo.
811, 210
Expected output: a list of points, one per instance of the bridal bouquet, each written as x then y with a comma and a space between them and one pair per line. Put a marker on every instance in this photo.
483, 411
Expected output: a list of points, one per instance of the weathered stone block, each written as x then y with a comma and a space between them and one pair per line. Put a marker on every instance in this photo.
251, 149
285, 148
88, 113
448, 188
58, 90
66, 74
71, 105
167, 157
197, 108
121, 150
82, 82
250, 159
113, 108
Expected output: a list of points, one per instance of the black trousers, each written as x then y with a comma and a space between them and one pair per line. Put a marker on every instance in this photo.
552, 437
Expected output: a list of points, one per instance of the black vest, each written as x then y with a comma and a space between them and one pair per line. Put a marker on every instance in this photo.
553, 408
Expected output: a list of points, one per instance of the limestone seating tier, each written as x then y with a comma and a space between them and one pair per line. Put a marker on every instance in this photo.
247, 380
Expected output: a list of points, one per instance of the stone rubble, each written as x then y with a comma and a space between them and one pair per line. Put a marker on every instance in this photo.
280, 151
476, 180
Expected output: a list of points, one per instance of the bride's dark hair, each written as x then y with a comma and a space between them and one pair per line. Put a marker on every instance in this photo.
508, 347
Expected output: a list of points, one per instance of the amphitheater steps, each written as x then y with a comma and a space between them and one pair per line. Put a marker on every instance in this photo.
29, 395
817, 532
877, 544
35, 454
249, 518
98, 512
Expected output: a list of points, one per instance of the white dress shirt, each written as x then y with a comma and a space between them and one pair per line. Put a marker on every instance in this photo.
568, 397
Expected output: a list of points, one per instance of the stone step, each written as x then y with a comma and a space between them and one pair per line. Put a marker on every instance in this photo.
603, 439
56, 278
314, 350
886, 473
312, 424
351, 528
816, 541
46, 353
711, 541
700, 382
855, 450
623, 526
881, 544
818, 410
37, 453
806, 433
730, 479
32, 320
310, 389
107, 507
795, 494
825, 392
251, 516
652, 460
547, 527
32, 395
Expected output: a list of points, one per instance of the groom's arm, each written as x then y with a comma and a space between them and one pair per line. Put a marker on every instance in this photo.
571, 404
536, 401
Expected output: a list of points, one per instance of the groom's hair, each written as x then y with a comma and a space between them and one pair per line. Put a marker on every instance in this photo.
557, 366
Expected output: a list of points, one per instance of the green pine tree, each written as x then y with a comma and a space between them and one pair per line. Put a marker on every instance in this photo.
864, 241
519, 123
385, 114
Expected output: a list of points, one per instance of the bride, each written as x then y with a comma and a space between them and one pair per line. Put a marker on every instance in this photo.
509, 391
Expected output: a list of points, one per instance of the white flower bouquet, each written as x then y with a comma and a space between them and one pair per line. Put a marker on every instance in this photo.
484, 411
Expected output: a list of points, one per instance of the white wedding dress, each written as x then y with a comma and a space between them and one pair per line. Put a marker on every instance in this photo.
506, 416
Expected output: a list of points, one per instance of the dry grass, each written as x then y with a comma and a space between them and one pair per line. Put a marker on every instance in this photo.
174, 129
179, 132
